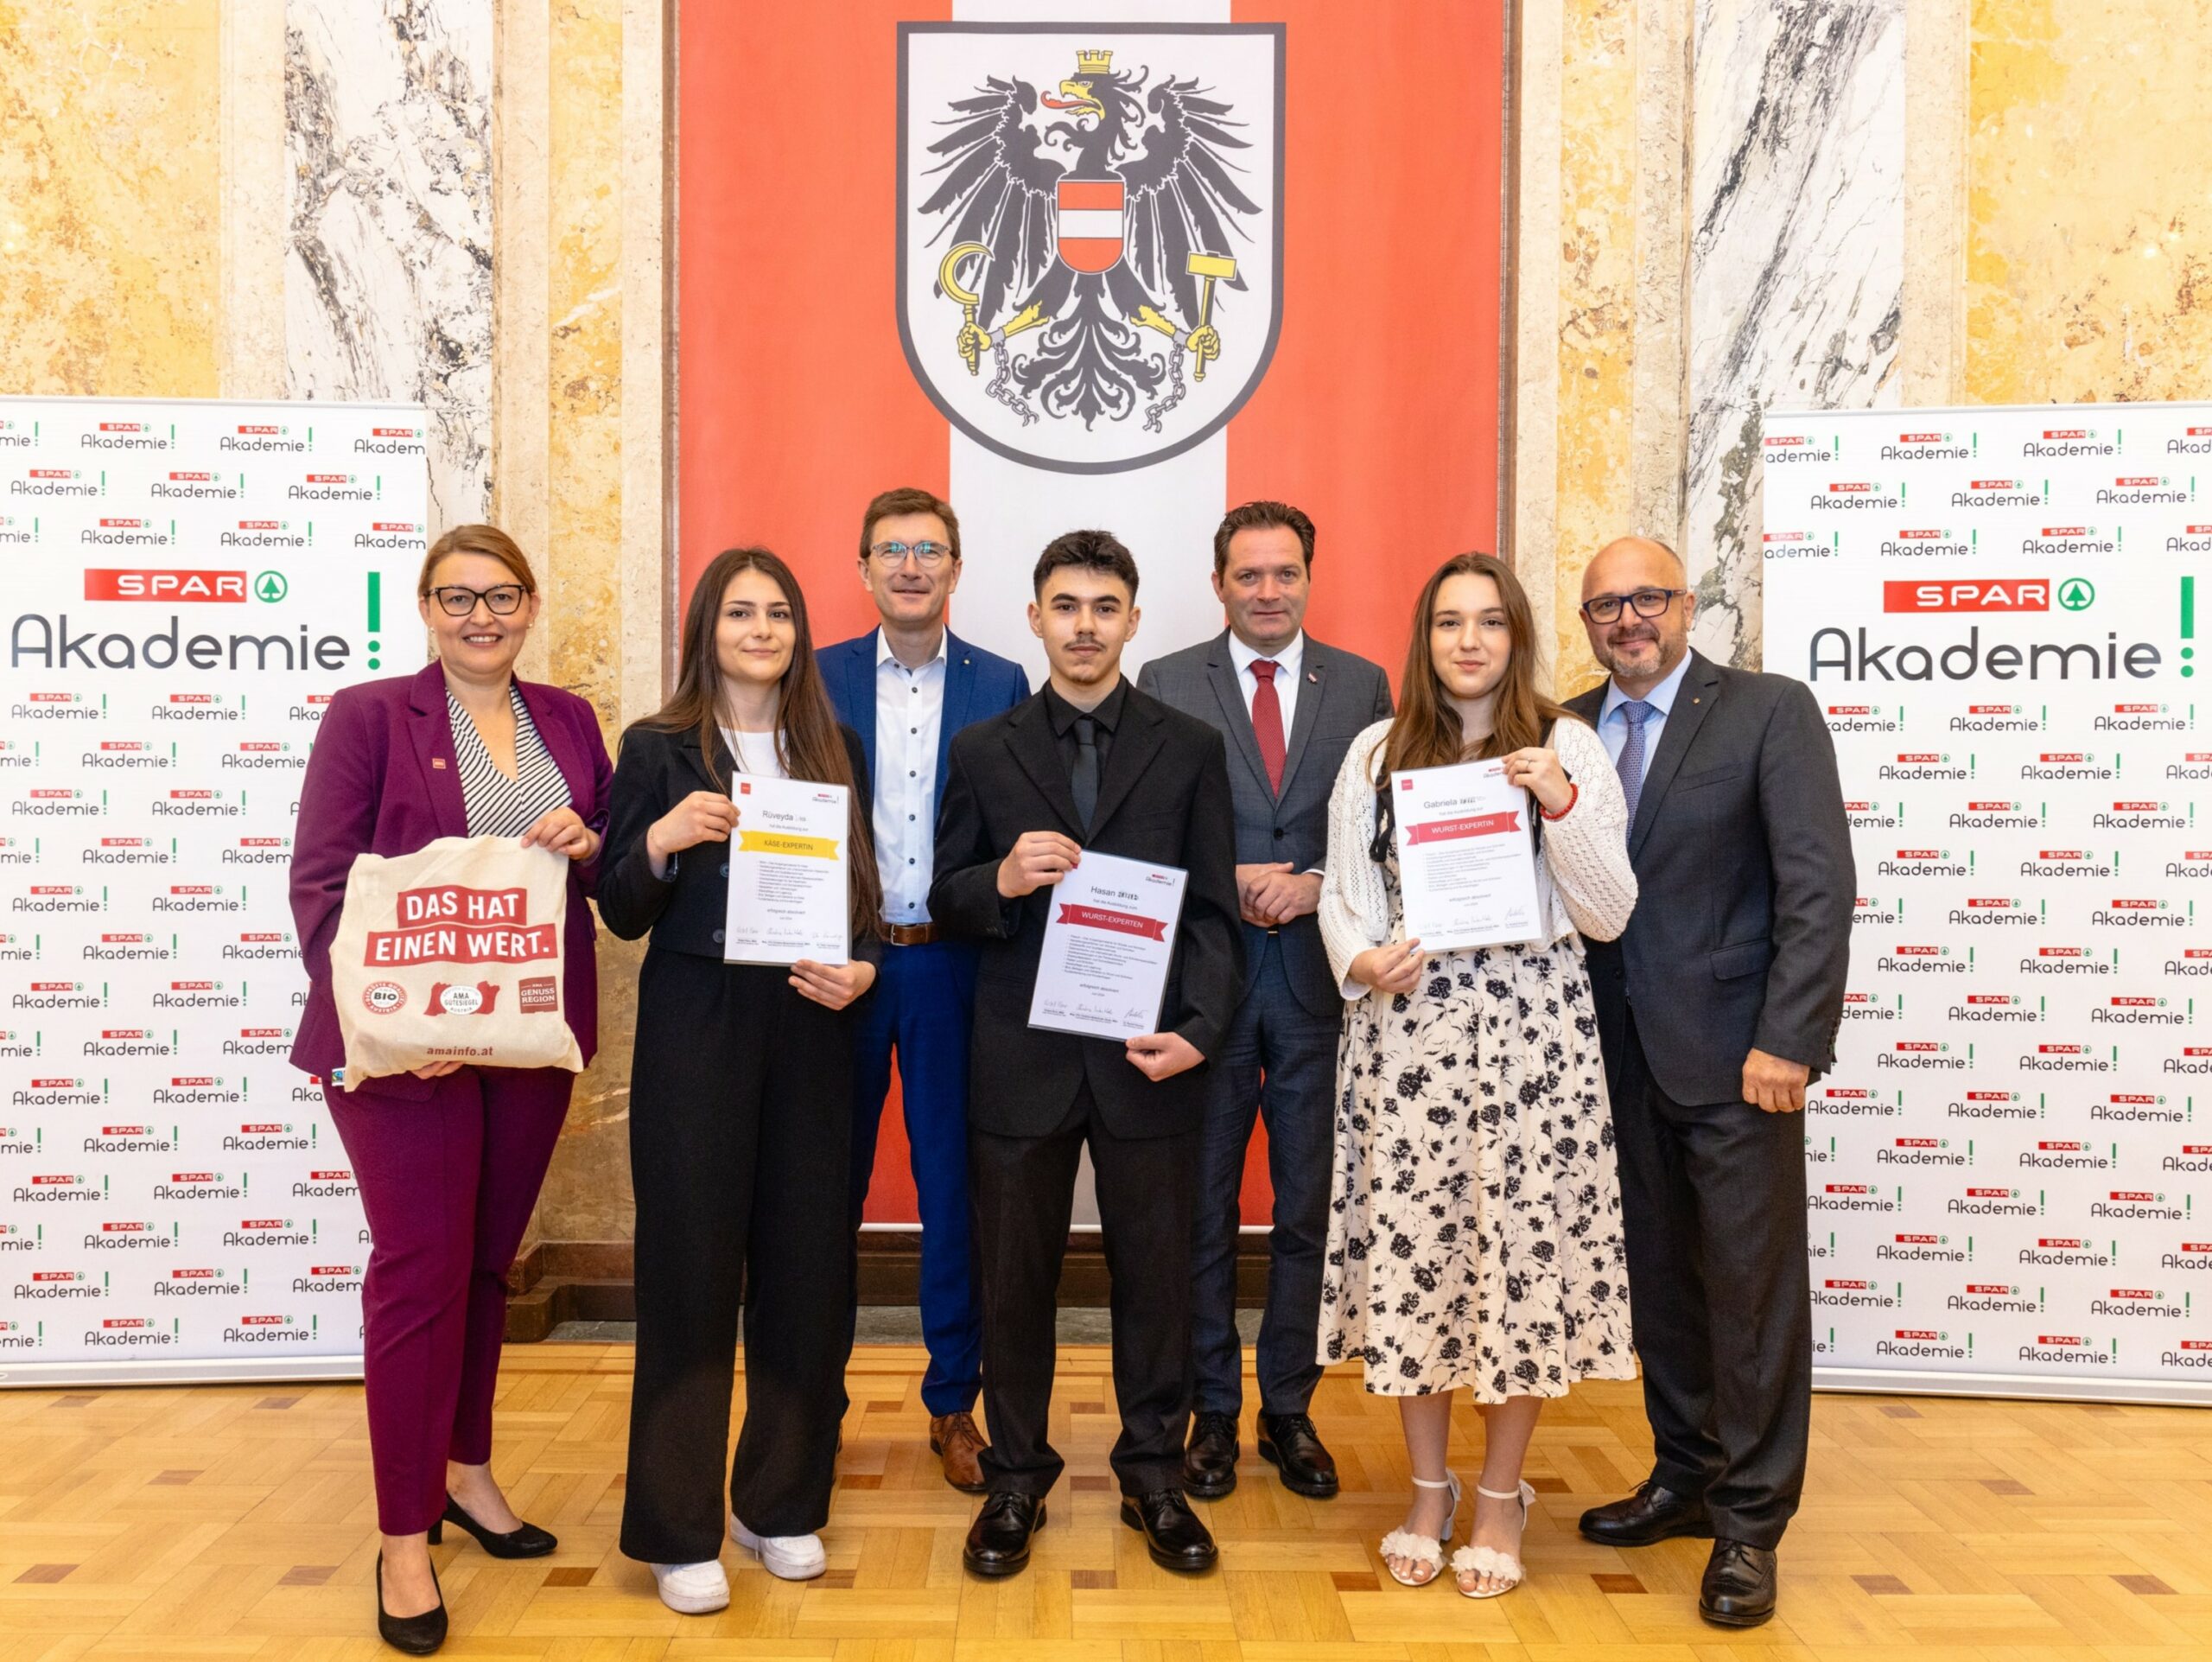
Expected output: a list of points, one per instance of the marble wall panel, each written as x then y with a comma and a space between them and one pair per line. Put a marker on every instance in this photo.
1796, 259
2089, 245
388, 266
110, 197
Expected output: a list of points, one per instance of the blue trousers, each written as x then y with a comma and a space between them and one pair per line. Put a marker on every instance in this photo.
1280, 1060
922, 1007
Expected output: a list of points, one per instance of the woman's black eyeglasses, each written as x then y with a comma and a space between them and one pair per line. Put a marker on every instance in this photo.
502, 600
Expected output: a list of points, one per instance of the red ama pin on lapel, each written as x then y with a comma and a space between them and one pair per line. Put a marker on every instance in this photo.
437, 764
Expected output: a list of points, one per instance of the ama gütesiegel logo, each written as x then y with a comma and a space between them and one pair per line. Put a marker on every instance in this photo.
1089, 233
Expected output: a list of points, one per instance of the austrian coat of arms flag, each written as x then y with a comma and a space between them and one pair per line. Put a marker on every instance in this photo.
1090, 231
1075, 264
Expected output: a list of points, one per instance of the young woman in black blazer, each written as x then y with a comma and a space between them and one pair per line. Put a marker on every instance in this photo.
740, 1103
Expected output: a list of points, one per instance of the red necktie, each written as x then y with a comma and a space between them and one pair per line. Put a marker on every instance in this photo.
1267, 721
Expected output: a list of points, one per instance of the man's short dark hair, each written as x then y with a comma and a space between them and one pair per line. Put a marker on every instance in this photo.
908, 499
1261, 516
1101, 550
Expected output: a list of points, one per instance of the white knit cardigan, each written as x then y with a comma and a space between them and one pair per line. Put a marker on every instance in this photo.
1584, 881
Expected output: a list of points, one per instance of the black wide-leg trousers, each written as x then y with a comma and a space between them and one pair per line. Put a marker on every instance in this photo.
740, 1127
1024, 1190
1712, 1207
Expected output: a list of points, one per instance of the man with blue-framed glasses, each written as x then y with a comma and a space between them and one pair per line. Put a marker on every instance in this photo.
906, 687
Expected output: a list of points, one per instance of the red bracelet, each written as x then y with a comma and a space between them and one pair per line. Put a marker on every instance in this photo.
1574, 795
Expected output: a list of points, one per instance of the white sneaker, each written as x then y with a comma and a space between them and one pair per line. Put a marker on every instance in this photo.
790, 1557
692, 1589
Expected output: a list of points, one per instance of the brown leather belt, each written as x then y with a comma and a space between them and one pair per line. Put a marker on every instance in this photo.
911, 934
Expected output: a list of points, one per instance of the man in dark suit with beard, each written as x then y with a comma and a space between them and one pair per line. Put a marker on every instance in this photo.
1715, 1008
1090, 763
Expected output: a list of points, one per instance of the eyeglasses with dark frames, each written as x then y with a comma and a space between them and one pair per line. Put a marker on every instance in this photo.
1646, 602
501, 600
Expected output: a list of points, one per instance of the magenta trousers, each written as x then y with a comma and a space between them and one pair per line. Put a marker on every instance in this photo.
448, 1169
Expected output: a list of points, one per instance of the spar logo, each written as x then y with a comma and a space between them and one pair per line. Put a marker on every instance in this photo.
1844, 495
2148, 489
2071, 539
170, 587
2195, 441
1781, 449
2001, 494
335, 488
1969, 595
2069, 442
390, 533
1927, 542
1928, 1342
1927, 447
58, 481
1980, 1202
390, 440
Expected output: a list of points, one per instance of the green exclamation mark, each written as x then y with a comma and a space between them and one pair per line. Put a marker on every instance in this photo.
376, 617
2188, 623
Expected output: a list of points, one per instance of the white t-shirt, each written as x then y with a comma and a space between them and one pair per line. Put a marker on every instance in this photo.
755, 753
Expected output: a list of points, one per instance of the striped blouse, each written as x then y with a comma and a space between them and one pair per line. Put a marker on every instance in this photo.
497, 806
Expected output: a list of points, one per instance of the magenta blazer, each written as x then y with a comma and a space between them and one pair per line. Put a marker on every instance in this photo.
382, 779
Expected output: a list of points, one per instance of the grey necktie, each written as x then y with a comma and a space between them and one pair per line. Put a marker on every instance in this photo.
1629, 766
1083, 781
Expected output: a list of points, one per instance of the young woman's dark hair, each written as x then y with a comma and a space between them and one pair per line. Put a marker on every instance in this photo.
807, 739
1426, 733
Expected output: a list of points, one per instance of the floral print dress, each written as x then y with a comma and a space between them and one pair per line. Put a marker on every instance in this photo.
1475, 1228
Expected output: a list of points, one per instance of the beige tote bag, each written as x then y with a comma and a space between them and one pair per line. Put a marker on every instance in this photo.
453, 953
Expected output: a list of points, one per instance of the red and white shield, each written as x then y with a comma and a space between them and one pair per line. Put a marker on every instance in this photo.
1089, 228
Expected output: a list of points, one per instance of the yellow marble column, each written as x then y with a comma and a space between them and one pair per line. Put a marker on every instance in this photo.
1597, 316
110, 197
2089, 234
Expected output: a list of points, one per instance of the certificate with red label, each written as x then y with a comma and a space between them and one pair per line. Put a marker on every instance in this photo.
1467, 861
1104, 968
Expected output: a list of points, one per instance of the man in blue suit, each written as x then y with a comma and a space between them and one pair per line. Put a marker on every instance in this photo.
906, 687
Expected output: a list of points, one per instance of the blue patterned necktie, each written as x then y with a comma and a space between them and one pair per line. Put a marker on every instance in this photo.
1629, 766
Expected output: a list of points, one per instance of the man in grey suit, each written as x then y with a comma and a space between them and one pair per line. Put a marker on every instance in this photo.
1715, 1008
1289, 708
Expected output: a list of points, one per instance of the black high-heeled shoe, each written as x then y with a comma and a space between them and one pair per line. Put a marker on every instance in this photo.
527, 1541
416, 1635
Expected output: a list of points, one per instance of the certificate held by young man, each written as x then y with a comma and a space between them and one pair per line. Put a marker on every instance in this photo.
788, 873
1466, 859
1104, 968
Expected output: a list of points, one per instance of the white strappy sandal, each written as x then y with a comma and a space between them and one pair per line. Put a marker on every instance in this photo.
1422, 1549
1503, 1567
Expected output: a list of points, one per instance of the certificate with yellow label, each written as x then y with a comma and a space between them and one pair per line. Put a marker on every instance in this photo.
788, 873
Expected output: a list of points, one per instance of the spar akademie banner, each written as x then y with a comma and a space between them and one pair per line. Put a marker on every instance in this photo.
1999, 612
1092, 264
187, 584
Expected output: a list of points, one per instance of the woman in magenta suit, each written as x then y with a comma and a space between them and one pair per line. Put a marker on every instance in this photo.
448, 1158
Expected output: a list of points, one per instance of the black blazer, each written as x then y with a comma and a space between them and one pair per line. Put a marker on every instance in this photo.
1163, 796
686, 909
1742, 853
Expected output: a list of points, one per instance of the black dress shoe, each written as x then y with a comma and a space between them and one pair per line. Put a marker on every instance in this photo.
1209, 1459
416, 1635
527, 1541
1290, 1443
998, 1541
1652, 1513
1178, 1540
1739, 1589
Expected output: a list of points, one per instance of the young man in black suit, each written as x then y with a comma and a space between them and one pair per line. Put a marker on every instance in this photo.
1089, 762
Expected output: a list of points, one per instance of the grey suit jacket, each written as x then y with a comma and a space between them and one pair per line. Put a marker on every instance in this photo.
1338, 694
1742, 937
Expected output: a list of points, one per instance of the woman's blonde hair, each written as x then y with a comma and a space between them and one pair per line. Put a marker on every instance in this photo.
491, 542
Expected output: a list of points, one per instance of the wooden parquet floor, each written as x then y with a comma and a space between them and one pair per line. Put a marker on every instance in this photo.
234, 1522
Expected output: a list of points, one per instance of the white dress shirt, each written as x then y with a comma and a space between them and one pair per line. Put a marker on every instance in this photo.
1292, 659
1612, 726
909, 707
